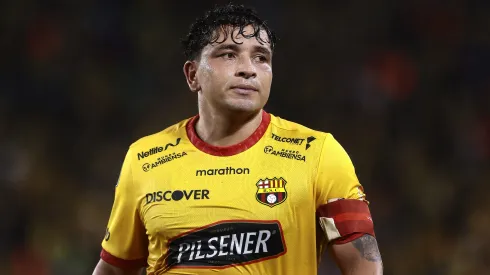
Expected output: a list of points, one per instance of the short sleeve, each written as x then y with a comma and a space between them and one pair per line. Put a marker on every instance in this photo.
125, 242
336, 176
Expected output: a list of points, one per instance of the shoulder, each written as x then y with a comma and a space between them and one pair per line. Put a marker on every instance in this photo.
317, 144
293, 129
170, 136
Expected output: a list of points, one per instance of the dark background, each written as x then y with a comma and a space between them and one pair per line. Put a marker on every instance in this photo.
403, 85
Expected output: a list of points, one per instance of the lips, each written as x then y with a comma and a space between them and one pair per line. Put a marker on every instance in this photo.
245, 87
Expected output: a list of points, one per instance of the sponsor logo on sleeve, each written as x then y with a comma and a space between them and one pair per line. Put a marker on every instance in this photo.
107, 234
227, 243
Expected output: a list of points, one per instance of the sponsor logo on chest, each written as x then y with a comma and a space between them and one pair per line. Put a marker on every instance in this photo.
227, 243
162, 160
157, 149
294, 141
222, 171
177, 195
289, 154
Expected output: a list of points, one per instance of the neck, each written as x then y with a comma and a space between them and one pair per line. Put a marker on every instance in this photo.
226, 128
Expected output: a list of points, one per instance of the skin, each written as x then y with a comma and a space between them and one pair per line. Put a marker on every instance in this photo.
359, 257
229, 113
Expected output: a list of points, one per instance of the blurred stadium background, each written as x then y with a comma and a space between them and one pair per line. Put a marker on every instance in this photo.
403, 85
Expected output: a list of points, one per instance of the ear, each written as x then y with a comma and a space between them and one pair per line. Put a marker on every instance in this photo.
190, 72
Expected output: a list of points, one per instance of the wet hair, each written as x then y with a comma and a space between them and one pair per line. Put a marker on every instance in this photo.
228, 20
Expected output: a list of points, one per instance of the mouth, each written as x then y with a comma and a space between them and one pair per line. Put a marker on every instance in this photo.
244, 89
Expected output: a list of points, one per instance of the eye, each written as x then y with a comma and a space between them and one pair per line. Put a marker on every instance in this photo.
228, 55
261, 58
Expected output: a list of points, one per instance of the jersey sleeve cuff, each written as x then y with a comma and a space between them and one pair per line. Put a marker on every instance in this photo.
121, 263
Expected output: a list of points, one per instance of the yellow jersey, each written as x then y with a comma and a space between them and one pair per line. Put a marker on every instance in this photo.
183, 206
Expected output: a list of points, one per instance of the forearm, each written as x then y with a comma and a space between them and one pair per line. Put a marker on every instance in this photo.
364, 267
359, 257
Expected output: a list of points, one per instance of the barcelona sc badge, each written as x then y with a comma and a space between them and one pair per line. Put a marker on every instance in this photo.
271, 192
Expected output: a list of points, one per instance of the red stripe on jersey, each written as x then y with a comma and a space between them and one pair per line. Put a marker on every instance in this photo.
121, 263
355, 226
350, 217
279, 196
227, 150
342, 206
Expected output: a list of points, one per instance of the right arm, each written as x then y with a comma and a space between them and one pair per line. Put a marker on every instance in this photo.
344, 213
104, 268
125, 247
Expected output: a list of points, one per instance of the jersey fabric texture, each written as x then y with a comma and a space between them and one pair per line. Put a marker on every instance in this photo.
183, 206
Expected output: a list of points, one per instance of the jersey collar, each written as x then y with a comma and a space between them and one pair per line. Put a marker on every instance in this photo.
227, 150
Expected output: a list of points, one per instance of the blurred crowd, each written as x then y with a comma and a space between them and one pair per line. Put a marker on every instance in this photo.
403, 85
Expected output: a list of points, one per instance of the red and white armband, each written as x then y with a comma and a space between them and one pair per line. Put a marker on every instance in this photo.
345, 220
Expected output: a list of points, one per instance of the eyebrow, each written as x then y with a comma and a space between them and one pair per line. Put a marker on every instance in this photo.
263, 50
221, 47
235, 47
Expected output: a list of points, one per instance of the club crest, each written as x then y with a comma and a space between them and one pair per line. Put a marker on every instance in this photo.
271, 192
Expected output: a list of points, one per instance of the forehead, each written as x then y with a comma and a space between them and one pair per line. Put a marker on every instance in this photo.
237, 35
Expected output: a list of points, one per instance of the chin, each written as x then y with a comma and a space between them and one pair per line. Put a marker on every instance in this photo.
248, 106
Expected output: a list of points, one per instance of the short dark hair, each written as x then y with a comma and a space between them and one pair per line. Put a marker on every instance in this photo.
204, 30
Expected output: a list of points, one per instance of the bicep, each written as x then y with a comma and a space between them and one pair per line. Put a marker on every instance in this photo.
104, 268
336, 176
361, 256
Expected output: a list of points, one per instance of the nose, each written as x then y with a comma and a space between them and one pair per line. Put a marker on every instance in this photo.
246, 68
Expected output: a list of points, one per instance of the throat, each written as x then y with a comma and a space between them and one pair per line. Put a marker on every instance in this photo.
223, 131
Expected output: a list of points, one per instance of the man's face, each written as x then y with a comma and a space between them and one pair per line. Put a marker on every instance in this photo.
236, 75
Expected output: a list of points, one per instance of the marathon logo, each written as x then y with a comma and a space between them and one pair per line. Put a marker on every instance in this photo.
157, 149
227, 243
222, 171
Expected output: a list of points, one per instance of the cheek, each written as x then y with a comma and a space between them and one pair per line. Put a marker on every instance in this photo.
268, 75
205, 66
205, 71
213, 73
268, 69
206, 76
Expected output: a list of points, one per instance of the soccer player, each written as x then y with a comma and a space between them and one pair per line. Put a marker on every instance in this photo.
234, 189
